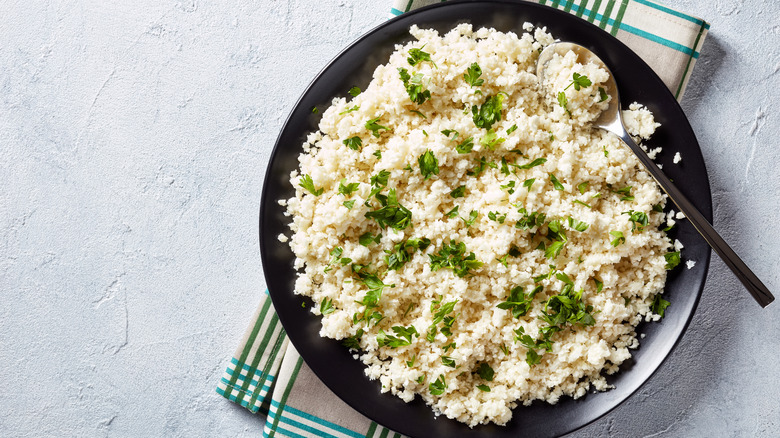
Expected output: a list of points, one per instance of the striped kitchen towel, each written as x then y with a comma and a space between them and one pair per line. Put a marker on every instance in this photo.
267, 375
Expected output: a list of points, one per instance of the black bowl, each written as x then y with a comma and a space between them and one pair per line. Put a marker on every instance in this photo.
335, 366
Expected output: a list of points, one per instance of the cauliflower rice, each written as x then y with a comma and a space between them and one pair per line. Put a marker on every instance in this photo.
428, 319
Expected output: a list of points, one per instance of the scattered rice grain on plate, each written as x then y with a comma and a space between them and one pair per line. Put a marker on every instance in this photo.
469, 234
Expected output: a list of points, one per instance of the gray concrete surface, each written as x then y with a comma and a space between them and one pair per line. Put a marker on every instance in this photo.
133, 142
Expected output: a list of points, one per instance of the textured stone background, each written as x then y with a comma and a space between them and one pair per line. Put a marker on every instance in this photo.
133, 142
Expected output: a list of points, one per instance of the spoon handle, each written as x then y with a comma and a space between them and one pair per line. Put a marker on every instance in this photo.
756, 288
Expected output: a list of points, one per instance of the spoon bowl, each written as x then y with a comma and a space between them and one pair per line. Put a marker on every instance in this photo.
611, 120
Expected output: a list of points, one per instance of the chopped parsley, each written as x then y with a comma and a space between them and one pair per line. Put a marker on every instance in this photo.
577, 225
349, 110
626, 192
490, 140
659, 305
511, 129
483, 388
577, 201
489, 112
448, 132
557, 239
452, 213
583, 187
519, 303
368, 238
510, 186
472, 217
528, 183
417, 56
465, 146
534, 163
354, 143
602, 94
563, 102
377, 153
495, 216
347, 189
353, 342
429, 164
404, 337
579, 81
391, 213
349, 204
459, 192
567, 308
373, 126
453, 256
307, 183
421, 115
354, 91
599, 284
482, 164
486, 372
380, 179
529, 220
326, 306
472, 75
414, 86
619, 238
672, 259
556, 184
441, 314
637, 218
448, 362
400, 254
438, 386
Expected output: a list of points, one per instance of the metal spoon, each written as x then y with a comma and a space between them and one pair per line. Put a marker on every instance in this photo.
611, 120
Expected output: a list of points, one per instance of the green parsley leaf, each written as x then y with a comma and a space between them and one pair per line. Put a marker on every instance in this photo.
421, 379
414, 87
347, 189
534, 163
403, 338
354, 91
421, 115
453, 256
494, 216
482, 164
486, 372
314, 110
349, 204
391, 213
503, 260
504, 167
672, 259
599, 284
505, 349
368, 238
563, 102
619, 238
518, 302
380, 179
439, 386
659, 305
400, 254
448, 361
556, 184
489, 112
472, 75
583, 187
447, 133
353, 342
483, 388
528, 183
465, 146
577, 201
459, 192
510, 185
375, 127
354, 143
349, 110
529, 220
511, 129
577, 225
567, 308
637, 218
472, 217
579, 81
452, 213
429, 164
450, 346
326, 306
417, 56
307, 183
490, 140
602, 94
626, 192
410, 363
378, 154
606, 152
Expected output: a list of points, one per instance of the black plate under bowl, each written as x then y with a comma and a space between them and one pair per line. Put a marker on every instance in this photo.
354, 66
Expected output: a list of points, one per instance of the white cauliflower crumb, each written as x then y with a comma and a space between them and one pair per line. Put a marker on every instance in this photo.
677, 158
690, 264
